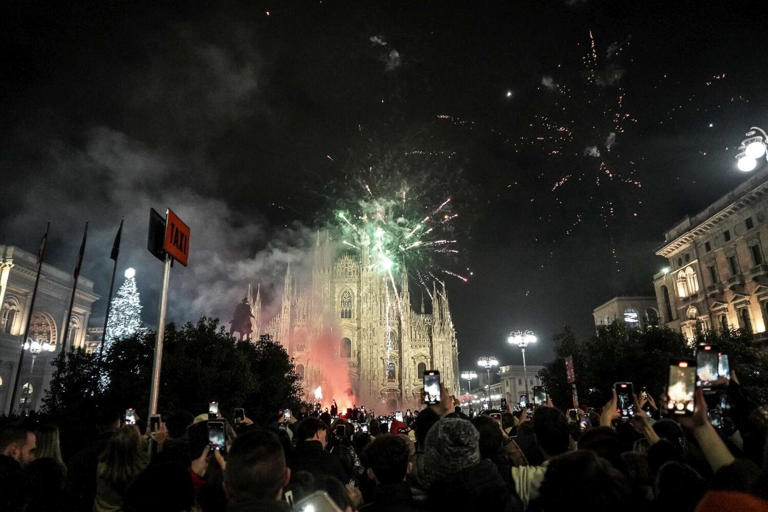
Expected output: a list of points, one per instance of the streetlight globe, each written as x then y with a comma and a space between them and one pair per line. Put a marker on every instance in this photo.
755, 149
130, 272
746, 163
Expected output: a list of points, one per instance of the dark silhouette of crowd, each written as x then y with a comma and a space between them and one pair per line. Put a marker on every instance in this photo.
438, 458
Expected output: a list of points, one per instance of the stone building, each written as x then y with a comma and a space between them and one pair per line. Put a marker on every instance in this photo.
639, 312
17, 278
716, 275
345, 311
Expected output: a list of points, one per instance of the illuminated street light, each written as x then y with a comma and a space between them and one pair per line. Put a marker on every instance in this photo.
488, 362
752, 149
468, 376
522, 339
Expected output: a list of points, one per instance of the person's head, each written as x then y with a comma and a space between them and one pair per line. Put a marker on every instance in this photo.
424, 421
582, 478
491, 440
122, 458
604, 442
551, 431
177, 423
387, 459
48, 442
256, 467
374, 428
678, 487
452, 445
312, 429
108, 420
19, 443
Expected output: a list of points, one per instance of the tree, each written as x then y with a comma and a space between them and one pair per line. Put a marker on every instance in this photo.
201, 363
125, 312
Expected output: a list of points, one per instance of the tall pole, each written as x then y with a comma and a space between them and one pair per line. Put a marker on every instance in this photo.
488, 383
111, 289
160, 334
525, 375
40, 257
74, 289
469, 386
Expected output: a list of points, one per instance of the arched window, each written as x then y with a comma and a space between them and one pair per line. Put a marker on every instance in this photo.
346, 304
687, 283
42, 328
390, 371
667, 303
651, 317
420, 369
300, 370
346, 347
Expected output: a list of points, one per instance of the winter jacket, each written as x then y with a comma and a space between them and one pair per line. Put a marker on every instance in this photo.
391, 498
478, 487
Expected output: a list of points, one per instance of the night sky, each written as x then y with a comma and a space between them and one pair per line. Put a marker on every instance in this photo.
569, 135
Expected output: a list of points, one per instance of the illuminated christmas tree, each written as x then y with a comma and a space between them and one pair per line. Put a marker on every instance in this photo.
125, 312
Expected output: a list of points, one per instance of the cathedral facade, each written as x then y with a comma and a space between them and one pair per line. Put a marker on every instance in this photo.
366, 323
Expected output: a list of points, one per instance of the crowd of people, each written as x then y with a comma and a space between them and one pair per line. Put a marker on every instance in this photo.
434, 459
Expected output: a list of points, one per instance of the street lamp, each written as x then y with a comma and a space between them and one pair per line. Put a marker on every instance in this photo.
752, 149
468, 376
35, 347
522, 339
488, 362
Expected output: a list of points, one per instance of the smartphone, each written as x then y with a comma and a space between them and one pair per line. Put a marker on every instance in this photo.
539, 395
408, 412
572, 415
364, 428
504, 406
287, 414
154, 423
399, 415
318, 501
681, 386
584, 422
239, 415
716, 417
213, 409
216, 434
130, 417
708, 366
523, 400
625, 400
432, 387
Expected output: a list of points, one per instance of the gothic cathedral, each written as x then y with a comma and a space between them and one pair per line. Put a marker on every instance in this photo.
367, 324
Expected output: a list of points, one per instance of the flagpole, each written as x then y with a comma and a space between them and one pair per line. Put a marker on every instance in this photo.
40, 258
115, 254
74, 289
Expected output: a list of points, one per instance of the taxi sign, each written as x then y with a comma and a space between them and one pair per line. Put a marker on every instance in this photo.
176, 238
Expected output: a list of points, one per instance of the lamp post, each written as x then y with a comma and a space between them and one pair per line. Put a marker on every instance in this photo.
488, 362
522, 339
34, 347
468, 376
752, 149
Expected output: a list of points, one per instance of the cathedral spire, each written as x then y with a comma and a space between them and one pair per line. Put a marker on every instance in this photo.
435, 305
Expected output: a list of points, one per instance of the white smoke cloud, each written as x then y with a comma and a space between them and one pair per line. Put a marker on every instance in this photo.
610, 140
592, 151
548, 82
379, 40
392, 60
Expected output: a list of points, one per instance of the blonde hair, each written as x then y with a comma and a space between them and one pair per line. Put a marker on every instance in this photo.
48, 443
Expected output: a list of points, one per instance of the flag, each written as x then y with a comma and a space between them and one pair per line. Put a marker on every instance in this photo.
116, 244
43, 241
82, 251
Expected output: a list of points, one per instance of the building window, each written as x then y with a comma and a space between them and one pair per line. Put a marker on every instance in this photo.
631, 318
707, 246
26, 393
300, 347
744, 320
724, 322
667, 303
420, 369
346, 347
346, 304
42, 328
748, 222
300, 370
390, 371
727, 235
679, 262
733, 265
687, 284
687, 258
757, 255
713, 274
519, 382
